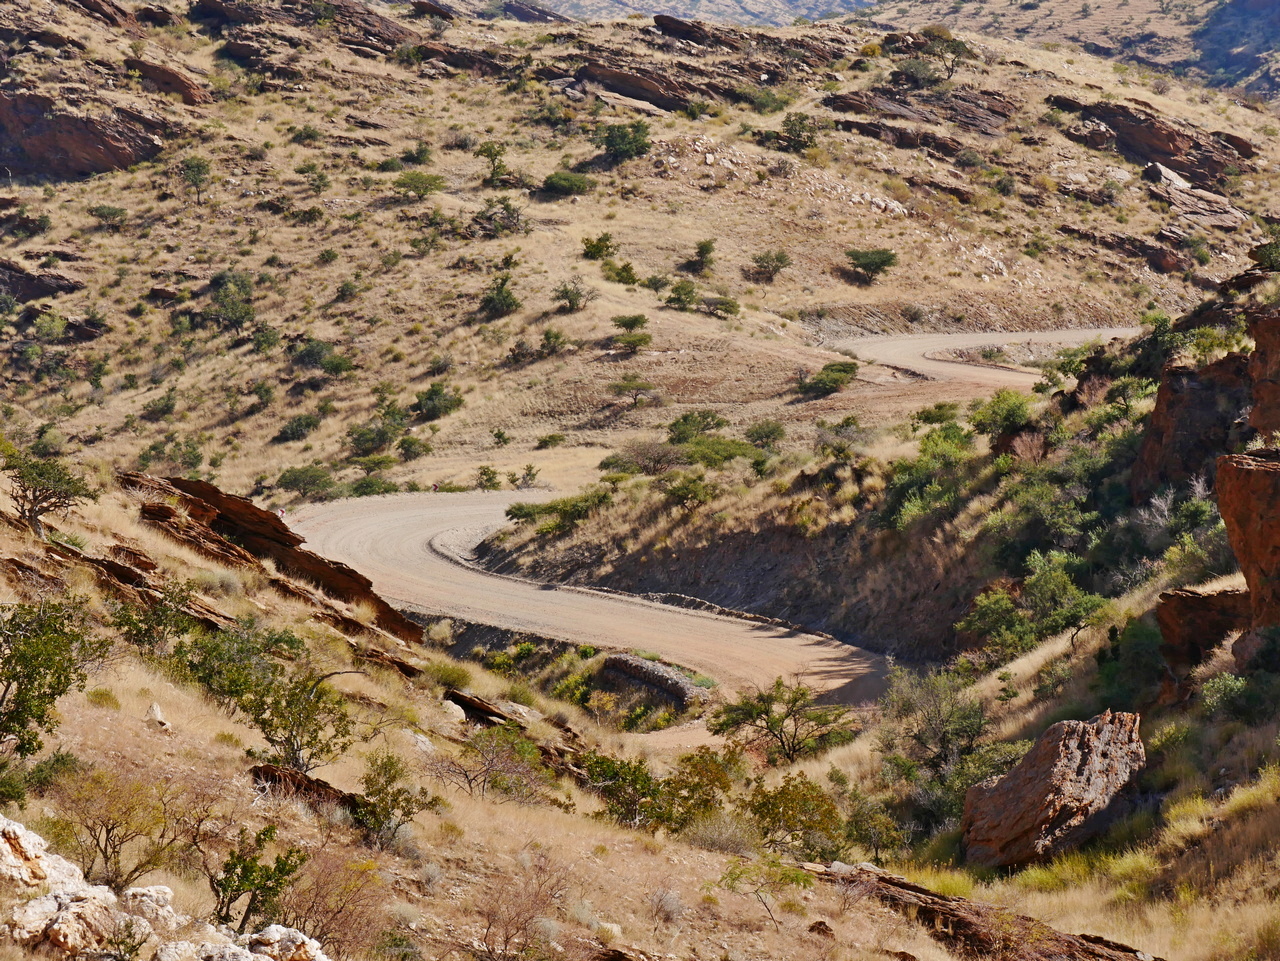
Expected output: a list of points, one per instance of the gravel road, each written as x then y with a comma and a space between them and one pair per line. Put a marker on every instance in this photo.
921, 353
416, 548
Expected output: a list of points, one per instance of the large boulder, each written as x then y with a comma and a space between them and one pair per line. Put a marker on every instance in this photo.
26, 865
72, 923
1061, 794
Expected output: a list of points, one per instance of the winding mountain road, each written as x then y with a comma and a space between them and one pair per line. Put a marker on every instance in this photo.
418, 549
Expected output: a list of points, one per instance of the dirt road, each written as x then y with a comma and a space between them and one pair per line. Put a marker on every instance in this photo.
415, 548
921, 354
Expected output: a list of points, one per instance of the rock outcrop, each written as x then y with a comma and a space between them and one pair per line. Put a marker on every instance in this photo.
236, 531
26, 283
294, 784
1249, 500
1198, 414
971, 929
1200, 208
1061, 794
666, 680
1194, 622
1139, 132
1264, 368
44, 134
170, 80
354, 24
1159, 257
52, 911
693, 31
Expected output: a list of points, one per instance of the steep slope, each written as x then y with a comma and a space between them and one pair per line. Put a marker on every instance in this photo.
1227, 43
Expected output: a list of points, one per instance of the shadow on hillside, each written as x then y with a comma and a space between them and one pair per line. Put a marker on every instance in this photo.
1234, 42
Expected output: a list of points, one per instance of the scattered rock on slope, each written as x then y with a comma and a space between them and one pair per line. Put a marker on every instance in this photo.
1058, 796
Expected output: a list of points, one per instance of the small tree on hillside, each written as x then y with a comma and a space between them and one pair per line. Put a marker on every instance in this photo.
304, 721
771, 263
40, 487
631, 385
493, 151
417, 184
870, 264
195, 172
785, 719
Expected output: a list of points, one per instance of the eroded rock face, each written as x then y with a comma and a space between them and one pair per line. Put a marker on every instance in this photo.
1058, 796
45, 136
71, 918
25, 864
26, 283
1139, 131
1198, 414
1264, 369
1249, 501
1193, 622
170, 80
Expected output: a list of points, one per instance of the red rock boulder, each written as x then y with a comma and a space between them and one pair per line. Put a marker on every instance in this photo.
1249, 501
1198, 415
1192, 623
1264, 368
1061, 794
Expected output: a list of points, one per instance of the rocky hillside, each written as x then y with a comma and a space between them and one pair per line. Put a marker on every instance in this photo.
243, 238
1225, 43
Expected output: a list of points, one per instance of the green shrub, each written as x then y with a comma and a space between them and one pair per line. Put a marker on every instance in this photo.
438, 400
763, 99
547, 441
599, 248
498, 299
770, 263
411, 448
448, 674
297, 428
308, 481
683, 295
833, 377
565, 183
373, 485
623, 141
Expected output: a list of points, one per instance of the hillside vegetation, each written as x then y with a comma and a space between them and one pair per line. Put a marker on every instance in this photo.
256, 255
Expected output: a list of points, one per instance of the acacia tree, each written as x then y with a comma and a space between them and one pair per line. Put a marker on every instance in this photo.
40, 487
195, 171
786, 719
